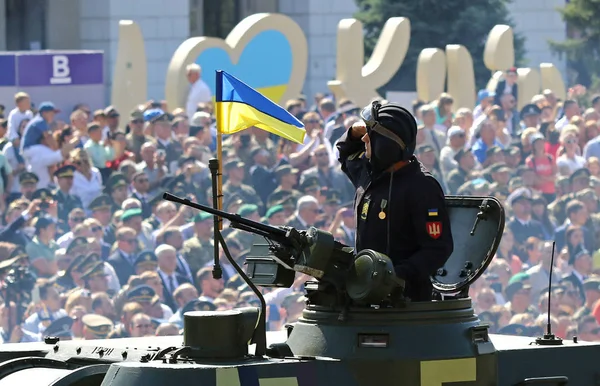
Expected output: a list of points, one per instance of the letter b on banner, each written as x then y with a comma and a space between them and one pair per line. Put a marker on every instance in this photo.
61, 74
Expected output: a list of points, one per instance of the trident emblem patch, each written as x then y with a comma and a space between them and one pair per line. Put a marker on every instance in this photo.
434, 229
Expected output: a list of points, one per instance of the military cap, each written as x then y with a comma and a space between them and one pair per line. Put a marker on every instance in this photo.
592, 284
101, 202
594, 181
75, 243
535, 331
233, 163
287, 202
179, 190
333, 196
42, 194
233, 199
285, 169
96, 270
131, 213
202, 216
100, 326
310, 183
157, 198
89, 262
197, 305
425, 149
514, 329
459, 154
529, 110
185, 159
142, 293
234, 282
43, 222
514, 184
273, 211
515, 287
521, 276
580, 173
500, 167
279, 196
586, 194
247, 209
257, 149
65, 171
562, 181
146, 258
136, 115
28, 178
512, 150
151, 115
111, 111
60, 328
580, 253
493, 150
114, 181
517, 195
93, 126
75, 263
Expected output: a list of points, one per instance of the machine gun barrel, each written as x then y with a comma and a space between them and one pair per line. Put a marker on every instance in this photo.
237, 221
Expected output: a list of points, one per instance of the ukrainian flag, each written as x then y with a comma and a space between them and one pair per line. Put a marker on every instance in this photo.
239, 106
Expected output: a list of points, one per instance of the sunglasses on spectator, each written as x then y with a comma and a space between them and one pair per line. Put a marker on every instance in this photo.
142, 180
571, 140
78, 219
321, 154
130, 241
95, 229
143, 325
312, 121
137, 121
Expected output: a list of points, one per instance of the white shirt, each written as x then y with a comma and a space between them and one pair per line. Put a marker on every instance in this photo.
38, 158
199, 93
332, 156
64, 240
167, 311
34, 324
86, 189
9, 154
561, 123
15, 117
572, 164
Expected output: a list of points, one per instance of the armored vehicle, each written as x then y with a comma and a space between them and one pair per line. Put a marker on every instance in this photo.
356, 328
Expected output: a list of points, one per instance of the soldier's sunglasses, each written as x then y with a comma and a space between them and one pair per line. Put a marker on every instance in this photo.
370, 115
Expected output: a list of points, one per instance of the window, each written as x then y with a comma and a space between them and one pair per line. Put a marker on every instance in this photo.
220, 17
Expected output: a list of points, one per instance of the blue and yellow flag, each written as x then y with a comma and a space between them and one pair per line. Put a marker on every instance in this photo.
239, 106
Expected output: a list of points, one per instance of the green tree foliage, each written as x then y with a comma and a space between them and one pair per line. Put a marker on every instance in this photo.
582, 48
435, 24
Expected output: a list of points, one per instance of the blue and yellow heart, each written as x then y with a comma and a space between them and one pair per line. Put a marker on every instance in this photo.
266, 64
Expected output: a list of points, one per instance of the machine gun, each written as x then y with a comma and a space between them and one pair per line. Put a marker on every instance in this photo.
366, 279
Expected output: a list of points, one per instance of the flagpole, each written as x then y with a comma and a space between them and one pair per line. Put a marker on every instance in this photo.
218, 86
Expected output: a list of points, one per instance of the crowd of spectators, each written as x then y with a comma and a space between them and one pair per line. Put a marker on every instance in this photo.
82, 208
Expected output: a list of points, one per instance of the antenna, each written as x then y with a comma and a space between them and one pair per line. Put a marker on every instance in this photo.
549, 339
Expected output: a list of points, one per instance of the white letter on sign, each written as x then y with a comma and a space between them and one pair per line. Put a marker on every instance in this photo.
60, 70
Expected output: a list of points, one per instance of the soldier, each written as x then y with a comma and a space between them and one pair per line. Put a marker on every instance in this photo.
518, 296
311, 186
275, 216
61, 328
591, 287
153, 203
116, 188
146, 261
66, 201
96, 326
287, 178
377, 156
28, 183
514, 329
199, 250
332, 202
235, 177
101, 210
457, 177
500, 174
65, 281
95, 279
136, 138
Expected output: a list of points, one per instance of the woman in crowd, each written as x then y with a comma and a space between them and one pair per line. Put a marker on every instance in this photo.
87, 181
543, 165
539, 212
569, 160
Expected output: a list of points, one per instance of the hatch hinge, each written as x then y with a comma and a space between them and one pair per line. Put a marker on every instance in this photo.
481, 339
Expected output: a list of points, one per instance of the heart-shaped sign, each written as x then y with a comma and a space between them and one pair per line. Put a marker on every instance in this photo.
268, 52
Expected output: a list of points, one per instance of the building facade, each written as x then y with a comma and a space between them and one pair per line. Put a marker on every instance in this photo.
165, 24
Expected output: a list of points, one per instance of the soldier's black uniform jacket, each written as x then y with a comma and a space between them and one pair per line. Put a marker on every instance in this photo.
420, 238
